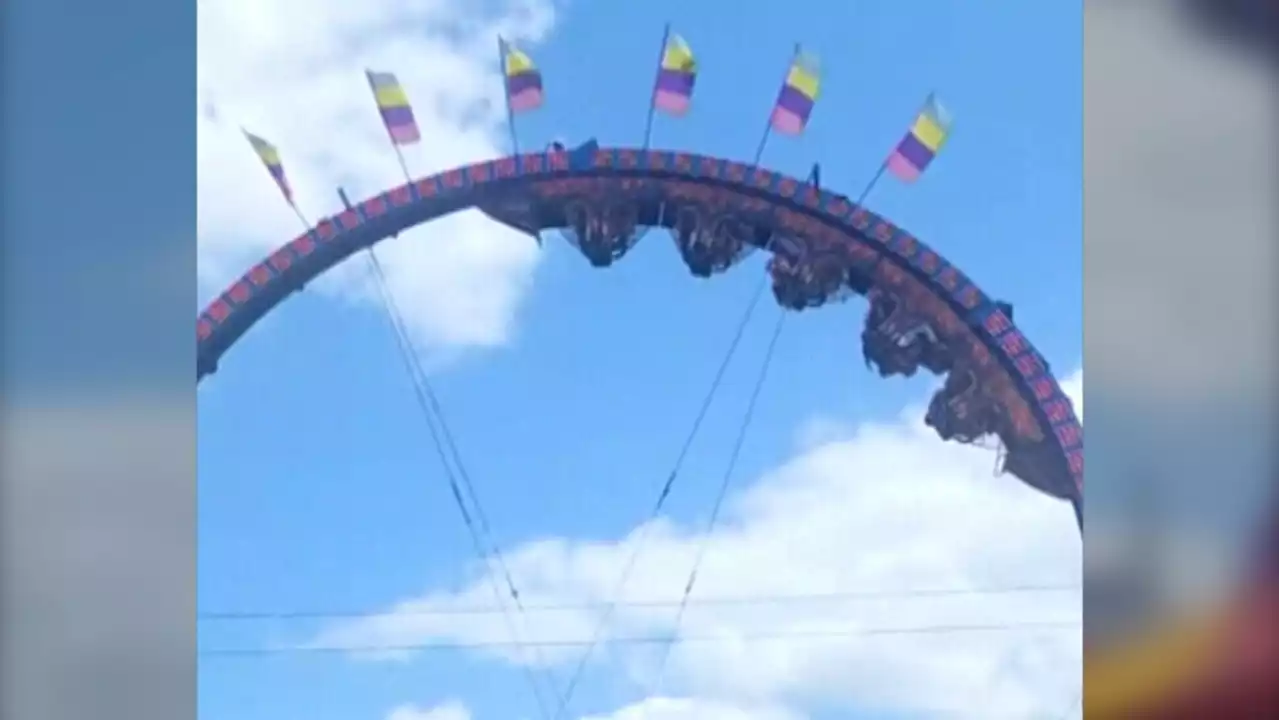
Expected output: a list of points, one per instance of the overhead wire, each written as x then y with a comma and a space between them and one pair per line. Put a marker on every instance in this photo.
718, 504
726, 600
446, 449
479, 528
629, 564
753, 636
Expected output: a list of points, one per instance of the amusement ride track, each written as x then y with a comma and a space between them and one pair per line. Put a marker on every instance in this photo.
531, 192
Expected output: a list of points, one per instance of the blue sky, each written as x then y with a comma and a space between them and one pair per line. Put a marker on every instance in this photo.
319, 489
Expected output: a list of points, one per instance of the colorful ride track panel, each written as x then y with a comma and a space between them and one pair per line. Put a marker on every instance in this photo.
822, 221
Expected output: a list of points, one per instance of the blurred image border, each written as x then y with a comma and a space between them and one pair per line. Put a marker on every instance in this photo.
1159, 505
97, 462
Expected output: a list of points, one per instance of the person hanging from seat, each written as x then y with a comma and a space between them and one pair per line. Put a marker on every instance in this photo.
787, 284
587, 229
923, 330
598, 243
620, 229
883, 307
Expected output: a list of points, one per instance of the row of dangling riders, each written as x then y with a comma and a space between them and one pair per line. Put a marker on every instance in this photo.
896, 339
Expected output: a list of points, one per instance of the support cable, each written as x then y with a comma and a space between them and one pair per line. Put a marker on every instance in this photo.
665, 651
468, 486
629, 566
477, 527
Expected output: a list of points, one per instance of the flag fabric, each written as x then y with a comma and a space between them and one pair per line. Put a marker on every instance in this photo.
922, 142
524, 82
394, 107
677, 72
798, 95
271, 158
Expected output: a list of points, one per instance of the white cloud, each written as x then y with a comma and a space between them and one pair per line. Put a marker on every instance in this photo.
869, 517
650, 709
292, 71
453, 710
1073, 386
695, 709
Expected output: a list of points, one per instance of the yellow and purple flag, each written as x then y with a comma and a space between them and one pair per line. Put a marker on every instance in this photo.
394, 107
798, 95
922, 142
673, 90
523, 81
270, 157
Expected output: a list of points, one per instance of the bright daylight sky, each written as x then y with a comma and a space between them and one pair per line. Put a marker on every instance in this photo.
570, 390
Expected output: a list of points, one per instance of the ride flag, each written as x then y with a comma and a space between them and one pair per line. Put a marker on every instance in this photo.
524, 82
394, 107
673, 90
922, 142
271, 159
798, 95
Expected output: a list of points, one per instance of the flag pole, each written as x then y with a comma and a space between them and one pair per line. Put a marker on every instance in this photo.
506, 92
404, 167
285, 190
301, 218
653, 108
884, 165
768, 125
511, 115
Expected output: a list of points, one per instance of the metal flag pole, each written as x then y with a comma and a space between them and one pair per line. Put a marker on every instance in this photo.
404, 167
768, 125
653, 108
884, 165
301, 218
511, 115
506, 93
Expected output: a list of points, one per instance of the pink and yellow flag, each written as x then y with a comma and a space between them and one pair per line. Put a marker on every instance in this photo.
270, 157
673, 90
394, 107
922, 142
523, 80
798, 95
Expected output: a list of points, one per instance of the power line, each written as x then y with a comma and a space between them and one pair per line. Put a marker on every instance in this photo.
432, 413
720, 497
744, 600
630, 563
756, 636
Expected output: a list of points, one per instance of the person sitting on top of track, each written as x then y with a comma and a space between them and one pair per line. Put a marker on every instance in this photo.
815, 176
